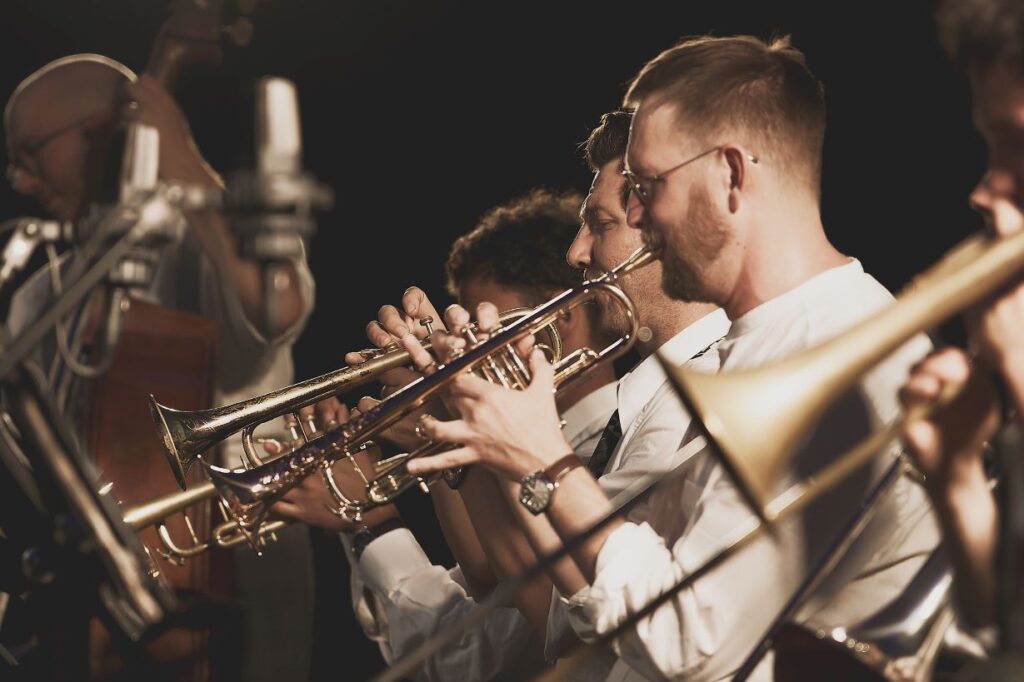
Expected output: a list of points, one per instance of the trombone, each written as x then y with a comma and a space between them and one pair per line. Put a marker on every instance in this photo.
756, 417
249, 493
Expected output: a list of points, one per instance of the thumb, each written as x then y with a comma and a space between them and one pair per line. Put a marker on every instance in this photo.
542, 373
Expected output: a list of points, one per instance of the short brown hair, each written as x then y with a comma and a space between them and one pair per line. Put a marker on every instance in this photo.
607, 142
763, 89
521, 244
982, 33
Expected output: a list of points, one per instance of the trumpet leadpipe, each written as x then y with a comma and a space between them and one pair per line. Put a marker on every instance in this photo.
154, 511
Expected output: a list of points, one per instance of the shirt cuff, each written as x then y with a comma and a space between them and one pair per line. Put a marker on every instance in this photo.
392, 558
589, 610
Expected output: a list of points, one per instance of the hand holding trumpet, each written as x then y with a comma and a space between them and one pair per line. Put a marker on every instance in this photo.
310, 501
416, 320
512, 432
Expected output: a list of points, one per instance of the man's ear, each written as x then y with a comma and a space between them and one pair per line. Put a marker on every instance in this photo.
736, 161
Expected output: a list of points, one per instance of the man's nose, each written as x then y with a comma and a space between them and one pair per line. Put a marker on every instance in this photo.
578, 255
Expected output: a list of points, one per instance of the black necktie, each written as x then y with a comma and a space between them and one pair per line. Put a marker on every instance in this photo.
605, 445
613, 433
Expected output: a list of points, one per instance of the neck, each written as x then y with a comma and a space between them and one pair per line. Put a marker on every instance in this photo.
581, 388
786, 246
666, 319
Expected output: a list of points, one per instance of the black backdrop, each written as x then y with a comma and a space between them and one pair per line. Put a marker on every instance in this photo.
422, 115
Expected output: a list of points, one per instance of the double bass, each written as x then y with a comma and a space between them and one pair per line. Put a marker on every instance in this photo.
172, 352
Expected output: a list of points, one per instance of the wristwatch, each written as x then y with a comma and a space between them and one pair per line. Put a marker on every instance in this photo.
455, 476
536, 489
367, 534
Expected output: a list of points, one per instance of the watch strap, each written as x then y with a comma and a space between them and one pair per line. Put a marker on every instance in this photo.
367, 534
559, 468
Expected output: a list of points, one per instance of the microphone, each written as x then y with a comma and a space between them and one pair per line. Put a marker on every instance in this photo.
272, 206
140, 168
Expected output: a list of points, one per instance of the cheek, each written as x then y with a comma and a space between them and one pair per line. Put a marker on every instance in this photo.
63, 167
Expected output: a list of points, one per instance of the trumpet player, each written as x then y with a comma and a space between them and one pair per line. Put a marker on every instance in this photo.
514, 256
986, 39
648, 426
724, 164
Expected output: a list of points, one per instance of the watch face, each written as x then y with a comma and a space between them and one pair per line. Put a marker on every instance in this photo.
535, 492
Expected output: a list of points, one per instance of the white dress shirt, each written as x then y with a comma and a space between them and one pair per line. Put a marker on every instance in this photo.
414, 599
706, 631
653, 425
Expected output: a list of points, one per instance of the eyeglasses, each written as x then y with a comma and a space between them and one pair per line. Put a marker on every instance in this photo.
26, 152
641, 186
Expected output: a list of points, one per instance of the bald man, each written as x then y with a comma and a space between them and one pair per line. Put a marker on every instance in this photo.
60, 125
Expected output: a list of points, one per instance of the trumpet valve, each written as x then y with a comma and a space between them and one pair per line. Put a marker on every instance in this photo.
428, 324
423, 485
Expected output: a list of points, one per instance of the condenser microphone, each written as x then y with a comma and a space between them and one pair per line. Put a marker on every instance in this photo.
272, 206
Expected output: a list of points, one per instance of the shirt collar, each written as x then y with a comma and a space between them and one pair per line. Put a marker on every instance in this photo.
637, 387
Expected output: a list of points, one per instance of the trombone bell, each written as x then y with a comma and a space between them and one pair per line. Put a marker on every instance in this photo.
757, 417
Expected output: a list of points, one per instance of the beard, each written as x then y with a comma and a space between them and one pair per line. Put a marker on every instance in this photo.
687, 251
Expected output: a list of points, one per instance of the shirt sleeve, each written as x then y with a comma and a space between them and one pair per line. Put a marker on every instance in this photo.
708, 628
658, 429
702, 632
413, 599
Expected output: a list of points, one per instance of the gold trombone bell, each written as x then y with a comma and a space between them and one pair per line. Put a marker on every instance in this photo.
756, 417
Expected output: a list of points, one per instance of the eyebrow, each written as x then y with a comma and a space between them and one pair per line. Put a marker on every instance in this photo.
592, 210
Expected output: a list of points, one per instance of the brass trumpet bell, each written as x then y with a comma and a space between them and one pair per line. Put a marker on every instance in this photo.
186, 435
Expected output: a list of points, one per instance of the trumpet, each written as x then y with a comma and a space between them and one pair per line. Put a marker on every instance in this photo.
249, 493
155, 512
223, 536
186, 435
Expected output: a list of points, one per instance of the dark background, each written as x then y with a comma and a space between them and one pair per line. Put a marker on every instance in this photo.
422, 115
